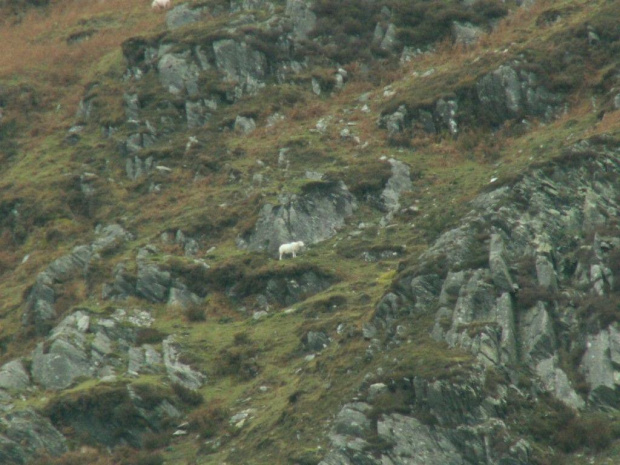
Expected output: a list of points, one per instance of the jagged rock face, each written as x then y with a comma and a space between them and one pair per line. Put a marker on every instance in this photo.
287, 290
302, 17
509, 93
466, 33
106, 411
177, 73
179, 372
463, 429
13, 376
182, 15
550, 243
150, 283
81, 346
601, 364
311, 217
26, 436
239, 63
398, 183
40, 311
507, 310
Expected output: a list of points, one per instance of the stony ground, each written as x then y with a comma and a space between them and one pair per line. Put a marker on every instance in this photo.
451, 167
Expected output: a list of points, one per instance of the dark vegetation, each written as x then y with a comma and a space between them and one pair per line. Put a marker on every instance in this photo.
209, 421
553, 423
47, 213
347, 27
240, 359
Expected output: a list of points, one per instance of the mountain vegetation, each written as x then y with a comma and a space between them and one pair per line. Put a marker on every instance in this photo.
452, 168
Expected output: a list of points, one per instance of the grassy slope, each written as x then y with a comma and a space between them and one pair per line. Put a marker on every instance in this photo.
293, 413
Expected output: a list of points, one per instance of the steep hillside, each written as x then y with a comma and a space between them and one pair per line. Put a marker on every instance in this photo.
452, 167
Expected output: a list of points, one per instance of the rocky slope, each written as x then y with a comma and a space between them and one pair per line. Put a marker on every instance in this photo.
452, 167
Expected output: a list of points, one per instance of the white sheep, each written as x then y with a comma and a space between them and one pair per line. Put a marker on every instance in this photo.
291, 248
161, 4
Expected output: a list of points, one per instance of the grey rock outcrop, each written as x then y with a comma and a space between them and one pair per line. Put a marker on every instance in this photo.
198, 112
459, 428
311, 217
63, 358
398, 183
316, 341
178, 73
500, 274
395, 122
445, 115
386, 38
509, 93
466, 33
481, 309
244, 125
40, 311
145, 359
26, 436
152, 283
302, 17
182, 15
287, 290
13, 376
179, 372
601, 366
241, 64
408, 435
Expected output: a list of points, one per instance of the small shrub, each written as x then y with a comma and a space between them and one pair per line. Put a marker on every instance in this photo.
149, 336
128, 456
209, 421
241, 338
187, 396
153, 441
589, 430
238, 361
548, 419
85, 456
401, 139
603, 310
395, 400
195, 313
530, 293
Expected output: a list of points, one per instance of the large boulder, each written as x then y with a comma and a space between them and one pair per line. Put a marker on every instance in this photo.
26, 436
241, 64
601, 367
182, 15
311, 217
518, 284
178, 73
59, 365
398, 183
407, 434
13, 376
179, 372
301, 15
40, 312
509, 93
466, 33
152, 283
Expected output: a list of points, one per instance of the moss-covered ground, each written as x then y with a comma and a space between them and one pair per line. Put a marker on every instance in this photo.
54, 56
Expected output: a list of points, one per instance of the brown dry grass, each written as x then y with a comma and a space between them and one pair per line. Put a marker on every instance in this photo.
39, 40
37, 52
